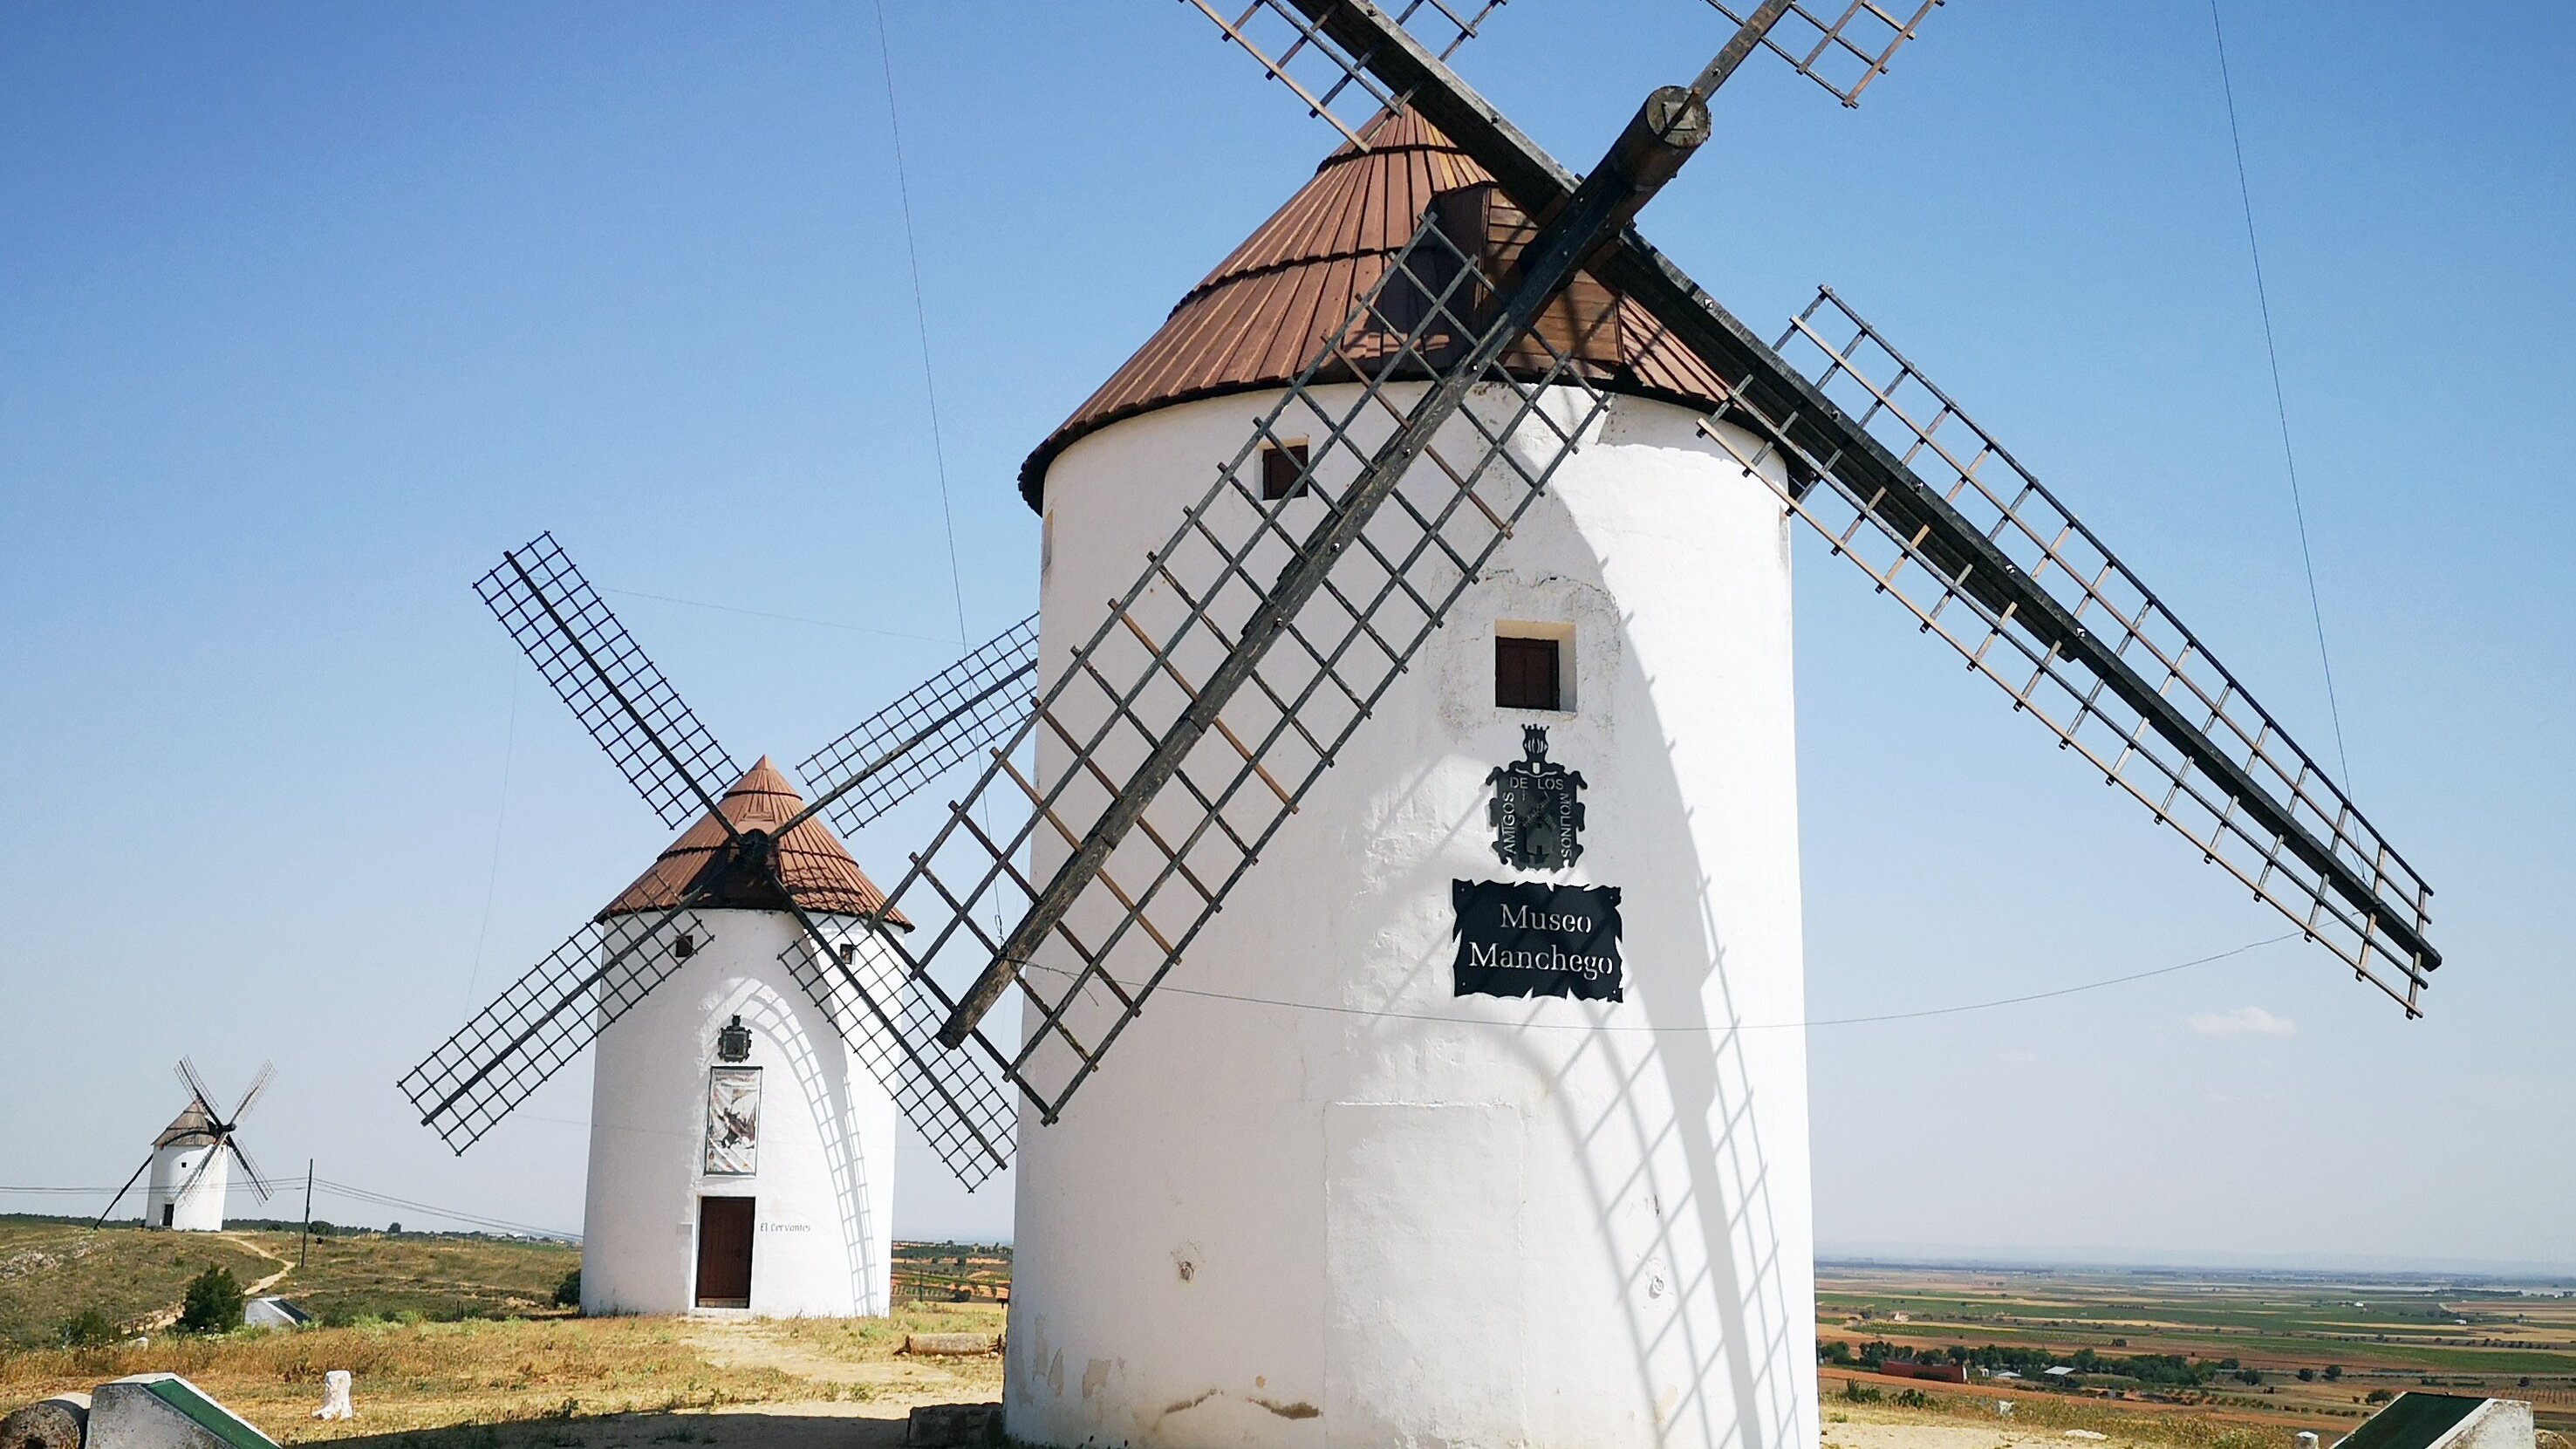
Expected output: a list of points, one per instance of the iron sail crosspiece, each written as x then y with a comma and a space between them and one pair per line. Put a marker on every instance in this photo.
1537, 810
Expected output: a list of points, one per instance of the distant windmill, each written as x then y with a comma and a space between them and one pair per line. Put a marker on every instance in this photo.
188, 1164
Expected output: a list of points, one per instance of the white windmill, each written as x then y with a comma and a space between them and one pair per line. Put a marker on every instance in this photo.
744, 1096
1431, 779
192, 1160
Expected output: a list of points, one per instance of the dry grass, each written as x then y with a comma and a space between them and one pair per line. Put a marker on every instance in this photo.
52, 1270
439, 1278
438, 1376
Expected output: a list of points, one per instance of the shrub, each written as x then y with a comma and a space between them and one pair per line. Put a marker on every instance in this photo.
214, 1302
568, 1292
2334, 1371
2378, 1396
89, 1328
1913, 1399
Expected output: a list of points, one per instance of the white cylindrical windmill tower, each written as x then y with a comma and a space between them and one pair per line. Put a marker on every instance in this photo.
741, 1155
189, 1176
1356, 1199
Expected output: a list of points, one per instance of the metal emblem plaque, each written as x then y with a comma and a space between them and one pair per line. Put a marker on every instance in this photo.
1537, 809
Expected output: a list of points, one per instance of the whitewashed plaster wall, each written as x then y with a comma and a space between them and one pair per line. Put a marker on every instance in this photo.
197, 1207
1385, 1214
823, 1239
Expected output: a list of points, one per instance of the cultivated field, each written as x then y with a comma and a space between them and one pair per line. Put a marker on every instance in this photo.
952, 1272
2357, 1340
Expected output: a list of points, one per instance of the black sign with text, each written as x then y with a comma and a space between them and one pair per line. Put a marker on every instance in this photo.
1530, 938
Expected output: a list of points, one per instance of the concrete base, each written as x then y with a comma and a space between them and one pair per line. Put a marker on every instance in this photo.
165, 1411
2500, 1424
954, 1426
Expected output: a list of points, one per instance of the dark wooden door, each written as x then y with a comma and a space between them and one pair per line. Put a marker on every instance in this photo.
724, 1252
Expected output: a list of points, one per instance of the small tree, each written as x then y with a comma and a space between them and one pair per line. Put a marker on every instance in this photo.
2307, 1376
214, 1302
568, 1292
88, 1328
2334, 1371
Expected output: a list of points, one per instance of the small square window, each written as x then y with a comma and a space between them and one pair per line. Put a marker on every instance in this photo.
1528, 673
1282, 468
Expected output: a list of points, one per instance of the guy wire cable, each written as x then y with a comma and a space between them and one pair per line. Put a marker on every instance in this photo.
2280, 400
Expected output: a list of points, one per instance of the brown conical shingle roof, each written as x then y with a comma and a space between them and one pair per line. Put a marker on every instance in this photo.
1255, 321
816, 868
191, 1125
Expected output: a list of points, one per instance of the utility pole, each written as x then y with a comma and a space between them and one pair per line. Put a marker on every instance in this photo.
306, 1247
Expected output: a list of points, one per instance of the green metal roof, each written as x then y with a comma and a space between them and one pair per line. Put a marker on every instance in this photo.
2414, 1421
214, 1418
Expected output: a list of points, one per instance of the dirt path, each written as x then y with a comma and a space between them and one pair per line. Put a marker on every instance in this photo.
894, 1385
263, 1285
170, 1315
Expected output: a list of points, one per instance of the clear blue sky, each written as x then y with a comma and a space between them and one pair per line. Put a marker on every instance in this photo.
307, 312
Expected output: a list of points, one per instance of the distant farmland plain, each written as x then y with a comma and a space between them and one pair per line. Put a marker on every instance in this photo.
2299, 1350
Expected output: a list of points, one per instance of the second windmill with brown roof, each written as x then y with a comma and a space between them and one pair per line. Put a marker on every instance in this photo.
752, 1068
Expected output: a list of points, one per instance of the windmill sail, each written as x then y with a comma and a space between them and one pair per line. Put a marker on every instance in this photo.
250, 1169
258, 1084
186, 1071
598, 670
1842, 48
1296, 50
2035, 601
493, 1062
2268, 813
1329, 51
937, 725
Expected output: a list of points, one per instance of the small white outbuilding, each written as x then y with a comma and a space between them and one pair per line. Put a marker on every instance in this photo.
273, 1311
